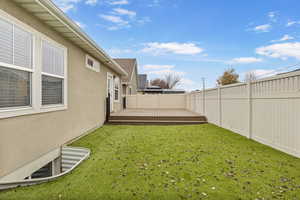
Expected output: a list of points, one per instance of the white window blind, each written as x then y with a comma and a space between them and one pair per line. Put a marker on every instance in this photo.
16, 45
53, 59
6, 41
22, 48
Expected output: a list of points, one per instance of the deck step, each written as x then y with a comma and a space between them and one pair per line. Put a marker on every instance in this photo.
160, 118
152, 122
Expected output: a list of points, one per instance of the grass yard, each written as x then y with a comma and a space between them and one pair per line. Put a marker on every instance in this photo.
172, 162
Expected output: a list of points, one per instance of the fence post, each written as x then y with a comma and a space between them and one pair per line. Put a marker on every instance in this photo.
220, 105
249, 89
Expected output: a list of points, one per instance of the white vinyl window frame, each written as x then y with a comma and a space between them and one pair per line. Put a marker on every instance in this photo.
110, 77
36, 74
116, 89
64, 77
96, 65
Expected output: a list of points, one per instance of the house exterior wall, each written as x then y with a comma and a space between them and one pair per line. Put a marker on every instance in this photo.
25, 138
133, 83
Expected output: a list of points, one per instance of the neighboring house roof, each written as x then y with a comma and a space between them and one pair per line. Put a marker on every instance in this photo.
51, 15
129, 65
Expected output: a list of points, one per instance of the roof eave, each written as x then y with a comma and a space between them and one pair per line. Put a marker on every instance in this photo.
89, 45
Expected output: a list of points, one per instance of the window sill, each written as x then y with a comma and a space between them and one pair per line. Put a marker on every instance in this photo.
16, 112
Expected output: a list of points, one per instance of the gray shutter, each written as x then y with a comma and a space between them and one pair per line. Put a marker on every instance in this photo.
22, 48
6, 42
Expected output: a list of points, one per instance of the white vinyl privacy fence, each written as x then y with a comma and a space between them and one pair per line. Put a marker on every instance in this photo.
156, 101
266, 110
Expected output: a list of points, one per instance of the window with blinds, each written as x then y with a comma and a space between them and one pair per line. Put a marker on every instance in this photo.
15, 65
30, 82
52, 74
14, 88
52, 90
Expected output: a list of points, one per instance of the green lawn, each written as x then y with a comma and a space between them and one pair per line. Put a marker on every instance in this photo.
172, 162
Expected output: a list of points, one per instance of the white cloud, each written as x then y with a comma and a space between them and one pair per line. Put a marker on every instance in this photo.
114, 19
81, 25
245, 60
166, 71
156, 67
91, 2
172, 47
67, 5
119, 2
123, 18
116, 51
272, 16
262, 28
121, 11
117, 21
284, 38
291, 23
282, 50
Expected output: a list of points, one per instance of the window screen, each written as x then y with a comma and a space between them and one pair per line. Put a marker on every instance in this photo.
52, 90
14, 88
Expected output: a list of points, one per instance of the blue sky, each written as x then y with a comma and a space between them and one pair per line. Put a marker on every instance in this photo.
194, 38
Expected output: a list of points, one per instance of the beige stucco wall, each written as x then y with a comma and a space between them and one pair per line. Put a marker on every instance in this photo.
25, 138
132, 84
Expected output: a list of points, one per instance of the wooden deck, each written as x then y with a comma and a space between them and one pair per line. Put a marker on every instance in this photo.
156, 117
